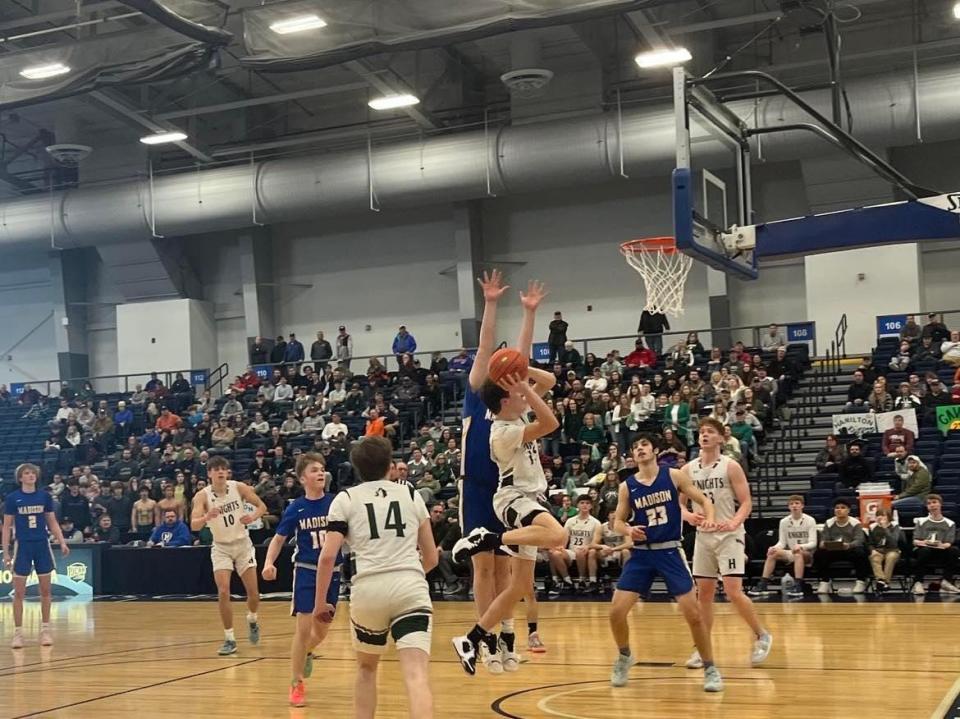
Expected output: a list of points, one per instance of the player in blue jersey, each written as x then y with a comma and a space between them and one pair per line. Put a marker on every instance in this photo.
307, 518
28, 511
491, 570
648, 511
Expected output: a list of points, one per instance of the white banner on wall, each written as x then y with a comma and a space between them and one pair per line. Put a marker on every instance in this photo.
869, 422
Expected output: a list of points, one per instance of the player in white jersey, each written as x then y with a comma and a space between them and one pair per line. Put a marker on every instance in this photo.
795, 545
386, 523
586, 534
613, 549
219, 506
722, 552
514, 447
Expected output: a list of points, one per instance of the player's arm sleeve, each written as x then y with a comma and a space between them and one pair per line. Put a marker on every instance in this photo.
10, 506
419, 507
288, 521
505, 440
337, 516
47, 502
782, 535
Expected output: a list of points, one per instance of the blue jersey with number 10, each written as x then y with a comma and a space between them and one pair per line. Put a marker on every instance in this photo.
656, 507
308, 519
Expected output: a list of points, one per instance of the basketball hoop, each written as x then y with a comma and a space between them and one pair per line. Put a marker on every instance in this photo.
663, 269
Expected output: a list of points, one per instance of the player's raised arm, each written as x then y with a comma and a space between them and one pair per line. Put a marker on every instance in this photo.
545, 422
530, 300
543, 381
493, 289
687, 488
249, 496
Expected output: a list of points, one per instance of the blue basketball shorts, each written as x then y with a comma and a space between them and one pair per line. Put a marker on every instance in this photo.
28, 556
305, 590
476, 507
644, 566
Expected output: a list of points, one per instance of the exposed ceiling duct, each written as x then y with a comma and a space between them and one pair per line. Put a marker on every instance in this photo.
448, 168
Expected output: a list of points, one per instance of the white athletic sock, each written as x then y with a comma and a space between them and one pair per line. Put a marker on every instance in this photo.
228, 635
251, 617
593, 580
18, 630
44, 626
506, 626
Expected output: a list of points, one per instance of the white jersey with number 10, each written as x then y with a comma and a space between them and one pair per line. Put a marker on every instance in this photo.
227, 527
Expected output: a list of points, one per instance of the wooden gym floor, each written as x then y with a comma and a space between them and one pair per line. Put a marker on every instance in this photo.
142, 660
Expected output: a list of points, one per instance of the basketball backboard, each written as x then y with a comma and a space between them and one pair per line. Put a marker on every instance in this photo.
711, 182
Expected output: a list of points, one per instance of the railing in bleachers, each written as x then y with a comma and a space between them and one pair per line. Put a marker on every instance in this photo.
126, 383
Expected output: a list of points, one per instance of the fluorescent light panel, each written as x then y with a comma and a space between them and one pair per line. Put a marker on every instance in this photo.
956, 11
663, 57
161, 138
300, 23
390, 102
42, 72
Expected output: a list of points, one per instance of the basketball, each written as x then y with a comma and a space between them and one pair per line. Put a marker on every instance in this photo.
507, 361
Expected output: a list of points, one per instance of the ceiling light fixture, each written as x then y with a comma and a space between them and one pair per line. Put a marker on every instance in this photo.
956, 11
390, 102
664, 57
300, 23
161, 138
42, 72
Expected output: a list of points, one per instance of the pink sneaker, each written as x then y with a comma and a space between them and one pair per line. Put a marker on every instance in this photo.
298, 695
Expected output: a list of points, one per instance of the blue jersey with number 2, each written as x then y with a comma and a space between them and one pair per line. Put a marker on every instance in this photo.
29, 514
656, 508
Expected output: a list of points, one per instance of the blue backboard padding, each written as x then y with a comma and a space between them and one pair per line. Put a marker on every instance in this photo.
883, 224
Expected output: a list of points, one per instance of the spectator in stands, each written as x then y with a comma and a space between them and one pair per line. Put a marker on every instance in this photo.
935, 397
139, 397
842, 540
232, 407
557, 337
652, 326
916, 485
903, 360
927, 351
900, 467
119, 507
293, 352
918, 388
320, 352
857, 392
105, 531
154, 384
907, 400
223, 436
143, 513
85, 416
883, 541
950, 349
742, 429
612, 364
71, 535
259, 351
462, 363
676, 416
403, 343
570, 358
934, 538
312, 423
283, 392
181, 385
773, 339
376, 426
935, 329
855, 468
879, 400
168, 421
672, 448
910, 331
427, 486
74, 505
344, 344
172, 532
641, 357
335, 428
591, 436
897, 435
291, 425
278, 351
596, 380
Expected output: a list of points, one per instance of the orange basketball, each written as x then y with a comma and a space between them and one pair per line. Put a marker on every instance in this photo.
507, 361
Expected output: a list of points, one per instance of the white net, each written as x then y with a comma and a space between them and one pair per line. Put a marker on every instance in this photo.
664, 272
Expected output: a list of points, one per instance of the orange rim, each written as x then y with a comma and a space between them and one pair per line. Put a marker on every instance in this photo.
667, 245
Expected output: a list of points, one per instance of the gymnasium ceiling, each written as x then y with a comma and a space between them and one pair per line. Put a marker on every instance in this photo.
232, 112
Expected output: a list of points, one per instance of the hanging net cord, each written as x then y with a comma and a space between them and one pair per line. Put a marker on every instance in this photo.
664, 272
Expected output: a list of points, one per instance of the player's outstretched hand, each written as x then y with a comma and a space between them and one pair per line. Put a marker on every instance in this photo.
693, 518
638, 534
64, 549
492, 285
246, 519
7, 562
269, 572
534, 295
706, 526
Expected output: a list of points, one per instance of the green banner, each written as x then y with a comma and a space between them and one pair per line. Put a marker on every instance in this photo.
948, 417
